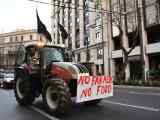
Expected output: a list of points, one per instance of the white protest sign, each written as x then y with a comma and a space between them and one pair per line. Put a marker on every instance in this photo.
93, 87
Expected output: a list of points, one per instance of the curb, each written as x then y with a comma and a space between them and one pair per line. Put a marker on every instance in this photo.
138, 87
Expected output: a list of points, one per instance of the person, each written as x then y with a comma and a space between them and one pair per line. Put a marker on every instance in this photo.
33, 56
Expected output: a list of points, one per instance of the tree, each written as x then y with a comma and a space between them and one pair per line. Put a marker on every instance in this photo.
120, 21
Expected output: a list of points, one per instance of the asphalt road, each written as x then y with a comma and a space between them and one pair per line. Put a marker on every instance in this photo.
128, 103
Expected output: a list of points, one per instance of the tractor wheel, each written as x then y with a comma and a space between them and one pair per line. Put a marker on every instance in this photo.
92, 102
23, 91
56, 97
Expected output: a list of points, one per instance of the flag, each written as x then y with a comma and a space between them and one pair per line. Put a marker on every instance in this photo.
64, 33
41, 28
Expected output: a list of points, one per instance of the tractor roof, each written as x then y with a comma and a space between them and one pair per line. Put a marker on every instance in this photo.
51, 46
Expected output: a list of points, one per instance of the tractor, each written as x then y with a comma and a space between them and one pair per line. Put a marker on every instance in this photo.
44, 70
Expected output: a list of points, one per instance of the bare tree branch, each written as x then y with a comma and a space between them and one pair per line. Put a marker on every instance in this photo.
135, 39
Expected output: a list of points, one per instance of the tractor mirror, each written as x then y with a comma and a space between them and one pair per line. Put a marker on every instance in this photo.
20, 55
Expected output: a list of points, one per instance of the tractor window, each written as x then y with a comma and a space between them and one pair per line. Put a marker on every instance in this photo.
53, 54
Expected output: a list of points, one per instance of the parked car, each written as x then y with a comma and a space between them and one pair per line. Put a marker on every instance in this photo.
8, 80
1, 78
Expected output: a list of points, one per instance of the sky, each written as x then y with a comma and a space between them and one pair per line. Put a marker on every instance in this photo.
21, 14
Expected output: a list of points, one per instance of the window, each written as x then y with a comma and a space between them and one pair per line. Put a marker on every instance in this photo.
86, 41
31, 37
152, 12
99, 53
149, 2
78, 57
131, 21
53, 55
98, 34
58, 41
54, 35
130, 5
88, 56
87, 20
16, 38
98, 21
21, 38
40, 38
11, 39
77, 41
151, 15
69, 42
87, 38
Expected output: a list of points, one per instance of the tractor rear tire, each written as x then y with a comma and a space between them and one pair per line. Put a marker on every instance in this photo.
23, 91
56, 97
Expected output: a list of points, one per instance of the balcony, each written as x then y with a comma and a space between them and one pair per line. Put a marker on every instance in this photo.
150, 49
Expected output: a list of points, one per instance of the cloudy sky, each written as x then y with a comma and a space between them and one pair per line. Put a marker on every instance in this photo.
21, 14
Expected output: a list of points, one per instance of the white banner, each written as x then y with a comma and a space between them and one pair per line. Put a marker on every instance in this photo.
93, 87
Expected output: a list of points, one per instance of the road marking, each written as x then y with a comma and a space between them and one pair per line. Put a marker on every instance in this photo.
43, 113
132, 106
137, 87
142, 93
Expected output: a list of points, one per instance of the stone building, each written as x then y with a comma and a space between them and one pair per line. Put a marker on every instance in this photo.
9, 44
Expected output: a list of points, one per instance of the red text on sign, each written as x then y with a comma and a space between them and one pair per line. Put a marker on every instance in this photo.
104, 89
86, 92
94, 80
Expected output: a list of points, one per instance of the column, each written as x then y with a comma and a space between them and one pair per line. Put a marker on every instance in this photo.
110, 41
73, 24
105, 37
125, 39
52, 21
109, 65
56, 21
61, 17
144, 39
81, 22
92, 27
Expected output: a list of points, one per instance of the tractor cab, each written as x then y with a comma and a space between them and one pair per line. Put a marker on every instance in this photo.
44, 56
33, 54
38, 59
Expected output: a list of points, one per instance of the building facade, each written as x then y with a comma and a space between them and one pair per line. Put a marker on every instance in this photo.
10, 42
148, 42
83, 23
94, 38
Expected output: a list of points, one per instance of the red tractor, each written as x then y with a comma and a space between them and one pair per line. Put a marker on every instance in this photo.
43, 70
